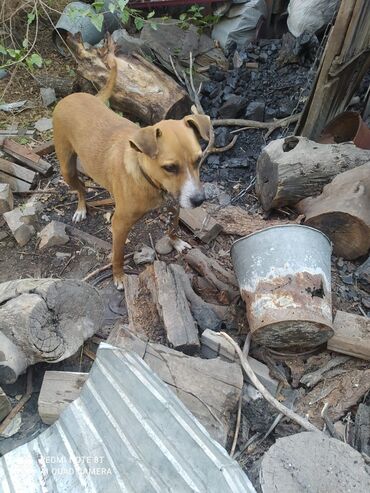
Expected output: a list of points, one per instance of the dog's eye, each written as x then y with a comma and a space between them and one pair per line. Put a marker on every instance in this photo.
171, 168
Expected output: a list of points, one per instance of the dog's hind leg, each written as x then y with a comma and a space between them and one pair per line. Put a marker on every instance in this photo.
68, 165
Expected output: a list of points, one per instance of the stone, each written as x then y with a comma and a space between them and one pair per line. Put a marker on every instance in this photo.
6, 198
312, 462
44, 124
3, 73
363, 275
163, 246
348, 279
53, 234
21, 222
211, 190
233, 107
224, 199
48, 96
255, 111
145, 255
222, 136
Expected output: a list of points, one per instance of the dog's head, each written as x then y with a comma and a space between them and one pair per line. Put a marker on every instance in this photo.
170, 153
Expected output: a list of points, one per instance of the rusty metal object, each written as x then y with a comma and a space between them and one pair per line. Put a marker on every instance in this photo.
284, 279
346, 127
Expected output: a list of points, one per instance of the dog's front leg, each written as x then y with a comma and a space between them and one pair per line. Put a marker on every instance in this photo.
178, 244
121, 225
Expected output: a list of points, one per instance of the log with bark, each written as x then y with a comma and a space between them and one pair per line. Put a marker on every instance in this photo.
291, 169
342, 212
142, 92
44, 320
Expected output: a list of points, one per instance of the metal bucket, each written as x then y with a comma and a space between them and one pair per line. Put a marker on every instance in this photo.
284, 275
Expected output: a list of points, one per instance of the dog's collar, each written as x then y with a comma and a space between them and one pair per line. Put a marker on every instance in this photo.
152, 183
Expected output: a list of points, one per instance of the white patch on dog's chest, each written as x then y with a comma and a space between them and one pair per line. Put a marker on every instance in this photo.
188, 190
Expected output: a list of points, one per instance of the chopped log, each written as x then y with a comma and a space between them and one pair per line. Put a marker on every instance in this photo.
362, 429
217, 275
5, 406
351, 335
26, 156
342, 212
58, 390
210, 389
61, 85
142, 92
92, 240
44, 148
288, 170
17, 171
201, 224
44, 320
16, 185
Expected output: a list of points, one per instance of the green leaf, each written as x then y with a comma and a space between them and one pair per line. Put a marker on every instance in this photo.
112, 8
16, 54
125, 16
25, 43
31, 17
183, 17
139, 23
24, 140
98, 5
154, 26
34, 59
97, 21
122, 4
3, 50
150, 15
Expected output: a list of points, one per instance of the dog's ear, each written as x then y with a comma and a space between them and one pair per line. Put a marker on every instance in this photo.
201, 123
146, 141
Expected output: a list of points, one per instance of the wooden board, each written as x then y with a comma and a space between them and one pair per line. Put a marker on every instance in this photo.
26, 156
202, 225
15, 184
17, 171
44, 148
5, 406
351, 335
58, 390
92, 240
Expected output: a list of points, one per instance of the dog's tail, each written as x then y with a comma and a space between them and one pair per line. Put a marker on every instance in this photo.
105, 92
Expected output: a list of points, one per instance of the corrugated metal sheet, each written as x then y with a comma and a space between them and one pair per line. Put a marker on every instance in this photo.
127, 432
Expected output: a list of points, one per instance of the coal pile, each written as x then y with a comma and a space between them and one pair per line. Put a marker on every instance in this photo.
261, 84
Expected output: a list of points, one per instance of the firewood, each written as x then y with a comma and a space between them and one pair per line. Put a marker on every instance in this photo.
44, 148
26, 156
5, 406
19, 178
351, 335
200, 223
288, 170
142, 92
342, 212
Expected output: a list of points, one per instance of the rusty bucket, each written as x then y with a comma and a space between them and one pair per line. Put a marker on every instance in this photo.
284, 275
347, 127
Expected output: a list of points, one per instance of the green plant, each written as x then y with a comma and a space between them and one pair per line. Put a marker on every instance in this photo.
194, 15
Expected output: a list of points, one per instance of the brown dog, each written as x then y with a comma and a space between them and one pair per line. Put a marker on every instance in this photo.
138, 166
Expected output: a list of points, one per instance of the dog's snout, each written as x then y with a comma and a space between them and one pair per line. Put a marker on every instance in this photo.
198, 199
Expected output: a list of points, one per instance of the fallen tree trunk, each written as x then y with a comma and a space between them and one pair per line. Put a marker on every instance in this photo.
342, 212
142, 91
289, 170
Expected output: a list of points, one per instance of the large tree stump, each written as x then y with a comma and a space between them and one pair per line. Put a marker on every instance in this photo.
342, 212
289, 170
142, 92
44, 320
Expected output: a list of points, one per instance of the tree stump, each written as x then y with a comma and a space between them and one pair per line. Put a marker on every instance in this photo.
289, 170
44, 320
142, 91
342, 212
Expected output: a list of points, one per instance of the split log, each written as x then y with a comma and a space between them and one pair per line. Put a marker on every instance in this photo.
288, 170
44, 320
362, 430
19, 178
5, 406
351, 335
210, 389
342, 212
217, 275
58, 390
26, 156
200, 223
142, 92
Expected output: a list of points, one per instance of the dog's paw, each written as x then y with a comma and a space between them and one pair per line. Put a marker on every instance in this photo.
79, 215
118, 282
180, 245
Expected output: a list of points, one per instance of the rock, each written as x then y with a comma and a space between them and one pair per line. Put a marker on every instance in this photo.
44, 124
13, 427
348, 279
233, 107
237, 162
6, 198
365, 300
21, 222
48, 96
163, 246
53, 234
255, 111
222, 136
3, 73
144, 256
363, 275
211, 190
224, 199
312, 462
5, 406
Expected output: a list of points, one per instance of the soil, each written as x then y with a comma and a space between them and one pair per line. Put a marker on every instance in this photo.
277, 88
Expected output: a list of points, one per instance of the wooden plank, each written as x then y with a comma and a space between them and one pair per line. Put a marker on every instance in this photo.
202, 225
351, 335
44, 148
17, 171
26, 156
15, 184
58, 390
94, 241
5, 406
